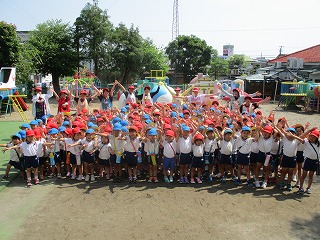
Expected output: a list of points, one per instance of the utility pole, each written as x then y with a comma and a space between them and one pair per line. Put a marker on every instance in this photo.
281, 50
95, 3
175, 21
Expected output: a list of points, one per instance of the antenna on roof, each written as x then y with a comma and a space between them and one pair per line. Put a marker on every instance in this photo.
95, 3
280, 52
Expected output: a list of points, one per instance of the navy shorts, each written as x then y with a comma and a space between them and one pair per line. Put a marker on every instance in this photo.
16, 165
185, 158
300, 157
31, 162
113, 159
243, 159
209, 157
225, 159
104, 162
253, 157
169, 163
275, 159
262, 157
73, 159
87, 157
42, 160
310, 165
57, 157
130, 159
197, 162
63, 155
288, 162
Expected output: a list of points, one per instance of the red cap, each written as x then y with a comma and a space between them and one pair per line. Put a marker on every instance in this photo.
156, 112
37, 133
37, 88
248, 97
69, 131
147, 87
270, 118
259, 112
100, 120
52, 125
177, 89
167, 126
315, 133
195, 89
131, 87
170, 133
29, 133
84, 110
82, 126
148, 104
108, 129
106, 90
198, 136
76, 130
236, 89
134, 128
75, 123
186, 111
138, 124
166, 120
268, 129
83, 92
63, 91
215, 102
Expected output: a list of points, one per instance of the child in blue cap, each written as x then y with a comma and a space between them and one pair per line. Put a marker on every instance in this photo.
152, 151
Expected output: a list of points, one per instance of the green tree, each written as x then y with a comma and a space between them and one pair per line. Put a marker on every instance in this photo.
93, 32
189, 55
52, 50
218, 67
236, 61
9, 45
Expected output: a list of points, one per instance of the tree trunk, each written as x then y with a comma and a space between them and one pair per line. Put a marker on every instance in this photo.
55, 82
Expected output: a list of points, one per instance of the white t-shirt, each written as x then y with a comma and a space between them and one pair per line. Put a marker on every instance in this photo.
309, 152
89, 145
185, 144
276, 146
244, 146
40, 150
169, 149
196, 100
29, 149
198, 150
74, 150
14, 154
104, 150
116, 144
210, 145
226, 147
151, 147
290, 147
265, 145
132, 145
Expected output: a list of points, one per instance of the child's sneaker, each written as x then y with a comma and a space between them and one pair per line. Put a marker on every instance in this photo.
238, 182
281, 185
107, 177
68, 174
150, 179
199, 180
210, 178
5, 177
29, 184
257, 184
223, 179
186, 180
294, 178
166, 179
41, 177
73, 176
87, 178
234, 178
218, 175
301, 191
130, 180
79, 178
308, 190
36, 181
264, 184
155, 179
171, 179
59, 175
181, 180
192, 181
249, 183
134, 180
289, 187
92, 178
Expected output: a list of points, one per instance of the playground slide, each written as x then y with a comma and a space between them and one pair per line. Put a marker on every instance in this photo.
23, 105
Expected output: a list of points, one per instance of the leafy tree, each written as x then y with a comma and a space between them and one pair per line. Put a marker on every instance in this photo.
236, 61
52, 50
189, 55
93, 32
218, 67
9, 45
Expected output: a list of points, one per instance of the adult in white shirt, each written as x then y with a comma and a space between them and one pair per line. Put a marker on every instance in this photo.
40, 103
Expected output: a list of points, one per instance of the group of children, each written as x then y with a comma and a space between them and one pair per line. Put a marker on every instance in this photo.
188, 142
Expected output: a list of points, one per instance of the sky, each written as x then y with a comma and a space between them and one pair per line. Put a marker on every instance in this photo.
255, 27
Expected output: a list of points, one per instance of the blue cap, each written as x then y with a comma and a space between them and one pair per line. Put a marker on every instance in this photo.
201, 128
34, 122
291, 129
210, 129
61, 129
53, 131
212, 109
184, 107
66, 123
153, 132
90, 130
25, 125
93, 118
117, 127
116, 120
244, 112
44, 118
218, 111
253, 115
127, 106
185, 128
148, 121
246, 128
124, 129
173, 105
228, 130
123, 109
181, 115
124, 123
17, 135
94, 126
90, 124
173, 114
22, 133
146, 116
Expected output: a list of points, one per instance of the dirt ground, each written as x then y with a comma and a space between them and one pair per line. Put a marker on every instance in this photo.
62, 208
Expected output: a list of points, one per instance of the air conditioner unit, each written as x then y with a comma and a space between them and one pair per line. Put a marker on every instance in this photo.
292, 63
278, 65
300, 63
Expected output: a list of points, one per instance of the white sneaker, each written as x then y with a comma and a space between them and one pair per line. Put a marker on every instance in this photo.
92, 177
257, 184
308, 190
73, 176
59, 175
87, 178
218, 175
294, 178
79, 178
264, 184
68, 174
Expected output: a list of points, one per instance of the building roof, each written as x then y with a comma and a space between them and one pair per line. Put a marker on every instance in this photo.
309, 55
